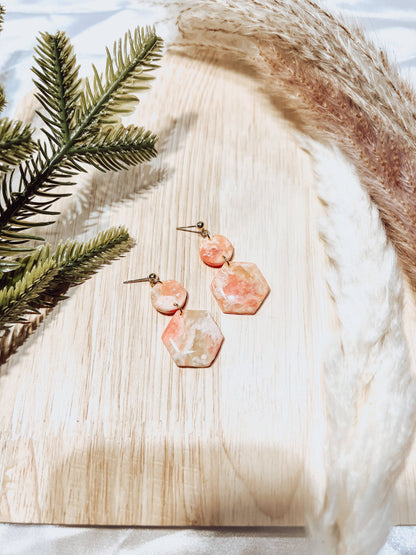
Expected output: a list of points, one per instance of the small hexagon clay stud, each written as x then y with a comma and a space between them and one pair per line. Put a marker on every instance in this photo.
192, 338
240, 288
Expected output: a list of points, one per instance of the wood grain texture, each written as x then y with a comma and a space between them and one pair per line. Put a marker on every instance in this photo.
98, 426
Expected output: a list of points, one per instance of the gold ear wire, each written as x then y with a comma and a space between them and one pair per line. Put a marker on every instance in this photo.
151, 278
201, 229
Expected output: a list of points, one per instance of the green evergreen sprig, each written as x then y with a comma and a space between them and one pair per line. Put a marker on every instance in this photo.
127, 73
21, 299
42, 277
82, 126
117, 148
58, 84
75, 132
16, 143
78, 261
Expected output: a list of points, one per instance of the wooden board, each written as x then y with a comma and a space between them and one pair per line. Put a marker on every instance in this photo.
98, 426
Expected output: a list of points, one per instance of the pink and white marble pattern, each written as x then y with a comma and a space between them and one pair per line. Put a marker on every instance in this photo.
212, 251
240, 288
168, 296
192, 338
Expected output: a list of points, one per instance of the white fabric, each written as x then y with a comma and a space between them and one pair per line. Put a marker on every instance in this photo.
91, 25
50, 540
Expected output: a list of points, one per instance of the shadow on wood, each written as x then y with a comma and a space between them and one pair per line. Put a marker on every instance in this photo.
126, 481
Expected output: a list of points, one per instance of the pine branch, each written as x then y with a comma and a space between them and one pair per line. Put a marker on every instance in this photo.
42, 278
58, 84
117, 148
15, 137
2, 97
25, 265
80, 130
19, 299
33, 195
106, 100
78, 261
57, 163
15, 143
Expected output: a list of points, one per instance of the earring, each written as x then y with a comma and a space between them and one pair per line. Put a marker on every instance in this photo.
192, 337
239, 287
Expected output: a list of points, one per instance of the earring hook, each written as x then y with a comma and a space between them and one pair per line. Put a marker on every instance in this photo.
201, 229
151, 278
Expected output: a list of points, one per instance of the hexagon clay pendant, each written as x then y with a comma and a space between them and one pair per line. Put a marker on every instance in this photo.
239, 288
192, 338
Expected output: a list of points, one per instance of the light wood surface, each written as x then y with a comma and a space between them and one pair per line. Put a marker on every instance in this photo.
98, 426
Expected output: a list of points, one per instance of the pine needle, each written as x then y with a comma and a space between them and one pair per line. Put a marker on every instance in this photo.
2, 97
127, 73
78, 261
20, 298
117, 148
15, 143
58, 84
42, 278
